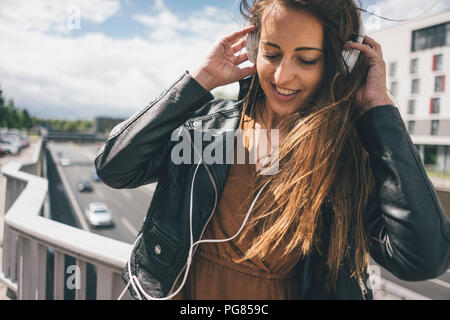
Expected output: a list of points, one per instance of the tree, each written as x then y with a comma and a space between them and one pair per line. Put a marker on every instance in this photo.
2, 100
27, 122
3, 111
13, 117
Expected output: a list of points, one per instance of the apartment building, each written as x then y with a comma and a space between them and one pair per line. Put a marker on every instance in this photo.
417, 54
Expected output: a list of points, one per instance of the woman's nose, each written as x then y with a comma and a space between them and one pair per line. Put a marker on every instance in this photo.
283, 73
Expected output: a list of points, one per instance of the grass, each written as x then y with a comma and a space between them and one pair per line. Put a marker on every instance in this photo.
437, 174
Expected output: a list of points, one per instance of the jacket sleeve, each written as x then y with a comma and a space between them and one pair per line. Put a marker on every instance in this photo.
407, 228
137, 148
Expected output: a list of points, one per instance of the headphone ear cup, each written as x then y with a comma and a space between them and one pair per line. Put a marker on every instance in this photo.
252, 47
350, 58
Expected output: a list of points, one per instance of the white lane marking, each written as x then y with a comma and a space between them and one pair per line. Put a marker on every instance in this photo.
440, 283
129, 226
91, 156
100, 194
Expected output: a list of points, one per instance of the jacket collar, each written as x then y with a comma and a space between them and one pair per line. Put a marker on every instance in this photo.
229, 112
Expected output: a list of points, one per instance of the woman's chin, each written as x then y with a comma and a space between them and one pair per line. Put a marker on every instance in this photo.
283, 109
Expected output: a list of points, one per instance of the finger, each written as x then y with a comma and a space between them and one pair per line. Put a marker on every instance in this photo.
241, 58
248, 71
366, 49
376, 46
232, 38
239, 46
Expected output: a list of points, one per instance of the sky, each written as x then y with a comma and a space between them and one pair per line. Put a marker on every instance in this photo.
78, 59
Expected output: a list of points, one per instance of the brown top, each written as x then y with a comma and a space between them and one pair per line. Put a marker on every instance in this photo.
214, 274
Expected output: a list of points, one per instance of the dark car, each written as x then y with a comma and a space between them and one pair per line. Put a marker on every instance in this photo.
3, 152
84, 186
95, 177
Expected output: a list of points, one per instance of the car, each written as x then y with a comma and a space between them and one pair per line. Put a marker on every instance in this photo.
9, 147
84, 186
14, 140
95, 177
18, 137
98, 214
65, 162
3, 152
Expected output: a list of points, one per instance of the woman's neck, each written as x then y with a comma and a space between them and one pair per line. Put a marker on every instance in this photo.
266, 118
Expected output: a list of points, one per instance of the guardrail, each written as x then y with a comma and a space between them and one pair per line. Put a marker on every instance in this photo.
28, 237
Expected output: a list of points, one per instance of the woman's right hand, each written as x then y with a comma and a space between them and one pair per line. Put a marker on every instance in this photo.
222, 65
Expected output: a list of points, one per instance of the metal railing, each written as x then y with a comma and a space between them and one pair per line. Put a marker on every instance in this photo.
28, 237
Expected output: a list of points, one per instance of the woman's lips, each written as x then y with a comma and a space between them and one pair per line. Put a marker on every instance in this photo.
283, 97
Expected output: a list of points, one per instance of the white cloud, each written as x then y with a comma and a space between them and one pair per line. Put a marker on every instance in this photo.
50, 15
206, 23
53, 75
162, 19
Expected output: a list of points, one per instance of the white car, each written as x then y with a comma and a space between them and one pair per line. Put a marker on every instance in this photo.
65, 162
18, 139
12, 139
9, 147
98, 214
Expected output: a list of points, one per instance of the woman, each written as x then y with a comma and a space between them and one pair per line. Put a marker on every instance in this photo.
349, 181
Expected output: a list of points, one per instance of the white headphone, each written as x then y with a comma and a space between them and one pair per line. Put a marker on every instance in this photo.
134, 281
350, 56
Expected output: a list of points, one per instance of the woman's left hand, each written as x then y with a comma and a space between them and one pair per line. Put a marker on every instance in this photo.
374, 92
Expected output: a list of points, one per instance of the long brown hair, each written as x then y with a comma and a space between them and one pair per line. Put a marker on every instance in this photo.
321, 159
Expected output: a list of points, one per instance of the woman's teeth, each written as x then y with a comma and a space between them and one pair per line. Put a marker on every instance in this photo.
285, 91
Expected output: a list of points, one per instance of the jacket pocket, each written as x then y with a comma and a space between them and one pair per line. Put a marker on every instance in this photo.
161, 251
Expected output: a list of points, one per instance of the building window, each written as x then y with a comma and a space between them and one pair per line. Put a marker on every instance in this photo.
394, 87
393, 69
439, 84
414, 67
434, 127
431, 37
412, 107
415, 86
435, 105
448, 33
437, 62
411, 126
430, 154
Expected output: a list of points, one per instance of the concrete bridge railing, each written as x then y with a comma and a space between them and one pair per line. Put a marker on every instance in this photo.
28, 238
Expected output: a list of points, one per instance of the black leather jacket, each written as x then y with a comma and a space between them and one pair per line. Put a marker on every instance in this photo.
408, 232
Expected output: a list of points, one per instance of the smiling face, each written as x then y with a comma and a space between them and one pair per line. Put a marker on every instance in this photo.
290, 58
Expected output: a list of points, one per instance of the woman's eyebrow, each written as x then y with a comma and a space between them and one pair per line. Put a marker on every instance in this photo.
297, 49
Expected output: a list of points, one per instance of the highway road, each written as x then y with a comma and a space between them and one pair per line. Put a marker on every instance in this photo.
129, 208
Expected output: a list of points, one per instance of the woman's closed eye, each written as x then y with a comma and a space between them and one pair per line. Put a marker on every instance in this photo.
303, 61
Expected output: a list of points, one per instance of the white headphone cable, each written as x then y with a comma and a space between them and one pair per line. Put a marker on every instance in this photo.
135, 282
